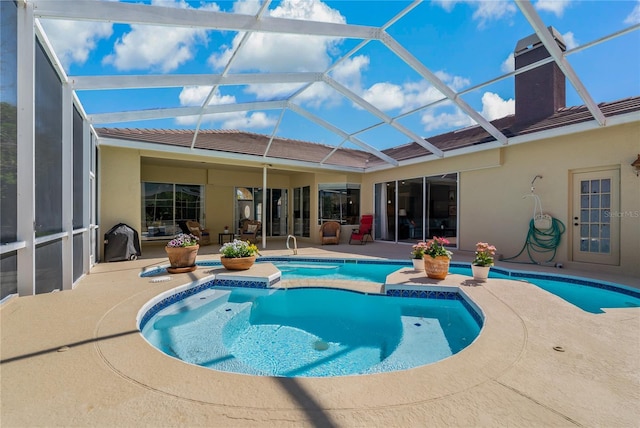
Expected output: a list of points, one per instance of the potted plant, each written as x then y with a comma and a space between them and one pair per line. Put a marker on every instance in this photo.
182, 251
417, 255
238, 255
437, 258
483, 261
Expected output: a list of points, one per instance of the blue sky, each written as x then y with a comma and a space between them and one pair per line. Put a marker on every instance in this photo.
464, 42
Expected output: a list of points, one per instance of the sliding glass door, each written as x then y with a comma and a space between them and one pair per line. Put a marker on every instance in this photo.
416, 209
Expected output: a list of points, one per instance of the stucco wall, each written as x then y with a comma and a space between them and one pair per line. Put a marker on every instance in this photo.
119, 189
493, 183
492, 207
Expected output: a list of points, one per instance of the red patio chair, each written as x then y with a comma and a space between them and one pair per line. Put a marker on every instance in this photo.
361, 233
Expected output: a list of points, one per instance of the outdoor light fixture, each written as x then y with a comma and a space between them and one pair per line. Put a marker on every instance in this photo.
636, 165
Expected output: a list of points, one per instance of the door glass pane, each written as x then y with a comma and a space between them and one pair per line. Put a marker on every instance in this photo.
188, 203
584, 201
595, 219
158, 209
410, 211
584, 186
584, 215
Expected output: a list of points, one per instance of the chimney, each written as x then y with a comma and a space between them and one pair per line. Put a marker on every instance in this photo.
539, 92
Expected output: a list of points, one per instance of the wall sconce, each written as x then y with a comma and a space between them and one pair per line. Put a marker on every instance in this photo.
636, 165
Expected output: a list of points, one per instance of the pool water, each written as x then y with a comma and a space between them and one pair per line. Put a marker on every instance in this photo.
310, 332
374, 272
588, 295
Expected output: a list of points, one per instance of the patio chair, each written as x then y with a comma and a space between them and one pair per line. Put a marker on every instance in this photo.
330, 233
250, 230
204, 237
360, 234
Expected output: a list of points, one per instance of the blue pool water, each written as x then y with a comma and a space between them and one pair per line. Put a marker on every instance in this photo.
589, 295
309, 332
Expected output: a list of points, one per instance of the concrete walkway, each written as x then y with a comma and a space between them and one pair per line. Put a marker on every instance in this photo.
75, 358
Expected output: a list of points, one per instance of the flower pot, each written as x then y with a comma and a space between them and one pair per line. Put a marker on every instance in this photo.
182, 259
480, 273
238, 263
436, 268
418, 264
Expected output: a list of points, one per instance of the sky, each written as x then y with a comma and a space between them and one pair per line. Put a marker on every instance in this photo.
465, 43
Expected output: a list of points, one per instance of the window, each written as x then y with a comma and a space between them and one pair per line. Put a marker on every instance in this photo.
339, 202
165, 205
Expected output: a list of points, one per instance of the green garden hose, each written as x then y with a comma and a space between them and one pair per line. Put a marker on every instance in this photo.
542, 241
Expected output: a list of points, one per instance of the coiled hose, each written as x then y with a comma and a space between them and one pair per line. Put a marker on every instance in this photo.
542, 241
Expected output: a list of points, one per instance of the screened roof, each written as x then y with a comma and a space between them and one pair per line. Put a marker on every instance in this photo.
374, 82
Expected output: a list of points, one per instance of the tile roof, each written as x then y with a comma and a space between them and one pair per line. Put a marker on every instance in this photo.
246, 143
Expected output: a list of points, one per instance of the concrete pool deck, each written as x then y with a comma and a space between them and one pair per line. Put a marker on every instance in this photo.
75, 358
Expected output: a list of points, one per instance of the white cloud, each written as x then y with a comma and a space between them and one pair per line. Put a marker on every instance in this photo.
162, 48
492, 11
385, 96
196, 95
485, 11
74, 40
389, 96
349, 72
556, 7
570, 40
267, 52
509, 64
447, 5
494, 107
457, 119
634, 16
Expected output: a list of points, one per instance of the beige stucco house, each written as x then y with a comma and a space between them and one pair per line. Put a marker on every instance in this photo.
559, 162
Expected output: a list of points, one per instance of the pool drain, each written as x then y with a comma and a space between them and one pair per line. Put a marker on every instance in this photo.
160, 279
320, 345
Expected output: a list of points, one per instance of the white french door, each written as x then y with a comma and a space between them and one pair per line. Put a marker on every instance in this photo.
596, 226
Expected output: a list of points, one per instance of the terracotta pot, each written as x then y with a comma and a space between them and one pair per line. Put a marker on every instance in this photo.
480, 273
418, 264
238, 263
182, 259
436, 268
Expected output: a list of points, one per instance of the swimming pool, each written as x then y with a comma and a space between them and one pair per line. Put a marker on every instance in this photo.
310, 332
589, 295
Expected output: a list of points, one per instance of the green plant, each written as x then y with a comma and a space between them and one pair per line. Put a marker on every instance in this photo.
484, 254
238, 248
436, 247
183, 240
